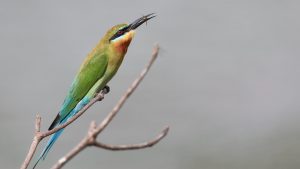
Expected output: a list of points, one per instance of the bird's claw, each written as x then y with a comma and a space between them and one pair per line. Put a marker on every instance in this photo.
106, 89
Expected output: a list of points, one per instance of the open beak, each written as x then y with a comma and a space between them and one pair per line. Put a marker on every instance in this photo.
140, 21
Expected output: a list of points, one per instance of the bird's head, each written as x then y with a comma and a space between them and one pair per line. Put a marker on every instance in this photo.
121, 35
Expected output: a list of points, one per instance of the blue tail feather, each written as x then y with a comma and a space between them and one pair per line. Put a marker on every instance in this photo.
55, 136
50, 143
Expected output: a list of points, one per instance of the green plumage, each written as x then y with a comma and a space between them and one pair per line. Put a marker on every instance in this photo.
96, 71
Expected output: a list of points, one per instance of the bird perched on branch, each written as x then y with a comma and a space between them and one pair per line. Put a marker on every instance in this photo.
96, 71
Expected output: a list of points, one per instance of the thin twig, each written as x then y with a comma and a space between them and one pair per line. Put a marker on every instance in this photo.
129, 91
94, 131
38, 120
90, 139
35, 141
99, 97
39, 136
146, 144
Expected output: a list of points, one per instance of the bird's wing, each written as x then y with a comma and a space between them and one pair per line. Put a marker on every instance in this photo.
92, 69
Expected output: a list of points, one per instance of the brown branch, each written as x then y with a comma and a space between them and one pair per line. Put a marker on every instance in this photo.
38, 123
129, 91
36, 139
150, 143
99, 97
39, 136
94, 131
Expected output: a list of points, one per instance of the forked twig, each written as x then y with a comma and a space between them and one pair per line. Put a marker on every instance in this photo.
91, 138
94, 131
39, 136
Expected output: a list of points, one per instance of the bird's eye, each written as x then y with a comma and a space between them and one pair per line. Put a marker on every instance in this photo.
118, 34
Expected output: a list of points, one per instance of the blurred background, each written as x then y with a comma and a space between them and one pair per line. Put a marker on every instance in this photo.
226, 82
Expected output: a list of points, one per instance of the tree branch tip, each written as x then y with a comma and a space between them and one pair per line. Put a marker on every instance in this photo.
155, 50
162, 134
38, 120
166, 130
37, 116
92, 125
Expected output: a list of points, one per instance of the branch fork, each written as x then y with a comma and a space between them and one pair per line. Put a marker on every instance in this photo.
94, 130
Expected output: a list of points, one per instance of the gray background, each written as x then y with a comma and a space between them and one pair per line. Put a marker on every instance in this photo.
227, 82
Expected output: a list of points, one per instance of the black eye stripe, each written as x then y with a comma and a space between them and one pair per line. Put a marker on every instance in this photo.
119, 33
124, 29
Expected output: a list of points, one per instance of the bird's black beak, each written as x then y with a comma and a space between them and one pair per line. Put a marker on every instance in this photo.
140, 21
132, 26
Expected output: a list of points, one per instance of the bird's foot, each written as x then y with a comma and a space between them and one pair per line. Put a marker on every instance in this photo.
106, 89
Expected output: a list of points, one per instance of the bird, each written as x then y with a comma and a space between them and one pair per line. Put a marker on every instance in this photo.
97, 69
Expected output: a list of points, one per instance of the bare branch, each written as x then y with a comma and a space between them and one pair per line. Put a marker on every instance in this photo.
39, 136
94, 130
98, 97
79, 147
129, 91
35, 141
38, 120
133, 146
90, 139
